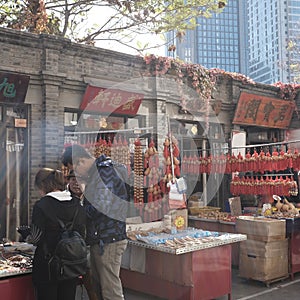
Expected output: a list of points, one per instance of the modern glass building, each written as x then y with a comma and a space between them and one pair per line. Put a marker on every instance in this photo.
271, 26
215, 42
249, 37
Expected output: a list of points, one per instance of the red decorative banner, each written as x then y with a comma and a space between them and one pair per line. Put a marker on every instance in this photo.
111, 101
263, 111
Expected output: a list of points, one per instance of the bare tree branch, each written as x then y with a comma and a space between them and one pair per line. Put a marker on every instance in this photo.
117, 19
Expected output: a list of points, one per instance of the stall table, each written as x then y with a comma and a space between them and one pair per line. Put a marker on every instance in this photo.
219, 226
200, 272
16, 286
15, 274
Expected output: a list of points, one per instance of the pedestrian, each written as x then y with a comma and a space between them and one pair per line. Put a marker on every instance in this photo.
45, 232
106, 216
74, 186
76, 190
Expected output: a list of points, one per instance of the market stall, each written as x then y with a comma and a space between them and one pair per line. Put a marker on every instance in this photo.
190, 264
287, 250
290, 247
15, 271
264, 171
224, 222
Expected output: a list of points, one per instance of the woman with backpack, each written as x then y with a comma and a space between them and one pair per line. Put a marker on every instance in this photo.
55, 206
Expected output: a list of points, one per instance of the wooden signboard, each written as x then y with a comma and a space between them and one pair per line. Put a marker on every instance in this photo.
256, 110
235, 206
22, 123
13, 87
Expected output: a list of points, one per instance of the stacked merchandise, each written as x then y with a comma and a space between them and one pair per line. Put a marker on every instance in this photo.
153, 206
138, 179
147, 181
264, 255
182, 241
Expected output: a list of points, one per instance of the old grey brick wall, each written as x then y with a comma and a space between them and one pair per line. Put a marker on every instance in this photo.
58, 69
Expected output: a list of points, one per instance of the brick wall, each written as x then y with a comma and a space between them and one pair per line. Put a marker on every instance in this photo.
57, 69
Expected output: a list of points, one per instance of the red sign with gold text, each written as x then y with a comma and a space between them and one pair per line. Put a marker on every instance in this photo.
111, 101
263, 111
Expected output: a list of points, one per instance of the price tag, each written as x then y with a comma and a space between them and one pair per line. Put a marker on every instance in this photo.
21, 123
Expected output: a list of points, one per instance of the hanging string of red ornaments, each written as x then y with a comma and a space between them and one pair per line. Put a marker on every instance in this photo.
261, 163
269, 185
257, 162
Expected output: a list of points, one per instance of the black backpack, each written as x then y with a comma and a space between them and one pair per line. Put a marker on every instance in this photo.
69, 259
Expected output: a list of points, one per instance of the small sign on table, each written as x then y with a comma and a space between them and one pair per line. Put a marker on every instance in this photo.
235, 206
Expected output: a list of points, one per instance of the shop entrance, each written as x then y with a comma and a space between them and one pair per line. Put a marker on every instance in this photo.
14, 177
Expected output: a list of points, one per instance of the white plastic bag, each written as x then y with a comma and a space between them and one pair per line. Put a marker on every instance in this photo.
177, 197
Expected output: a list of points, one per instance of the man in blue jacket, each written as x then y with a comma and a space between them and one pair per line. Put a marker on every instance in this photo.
106, 206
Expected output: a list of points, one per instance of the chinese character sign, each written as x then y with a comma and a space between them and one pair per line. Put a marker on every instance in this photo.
13, 87
263, 111
111, 101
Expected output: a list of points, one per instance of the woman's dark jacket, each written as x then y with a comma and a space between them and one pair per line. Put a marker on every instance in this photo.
43, 217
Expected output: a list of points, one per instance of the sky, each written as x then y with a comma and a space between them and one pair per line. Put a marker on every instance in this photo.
112, 45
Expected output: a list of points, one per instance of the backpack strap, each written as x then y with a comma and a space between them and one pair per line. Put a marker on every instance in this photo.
63, 225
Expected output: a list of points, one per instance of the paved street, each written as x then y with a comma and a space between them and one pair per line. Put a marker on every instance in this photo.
242, 289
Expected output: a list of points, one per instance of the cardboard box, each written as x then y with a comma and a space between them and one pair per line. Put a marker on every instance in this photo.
264, 249
263, 261
194, 210
196, 203
261, 229
179, 218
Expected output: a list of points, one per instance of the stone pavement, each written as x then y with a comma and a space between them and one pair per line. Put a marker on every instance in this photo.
242, 289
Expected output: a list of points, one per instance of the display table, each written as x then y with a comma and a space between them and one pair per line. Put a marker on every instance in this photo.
16, 287
201, 272
15, 271
219, 226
